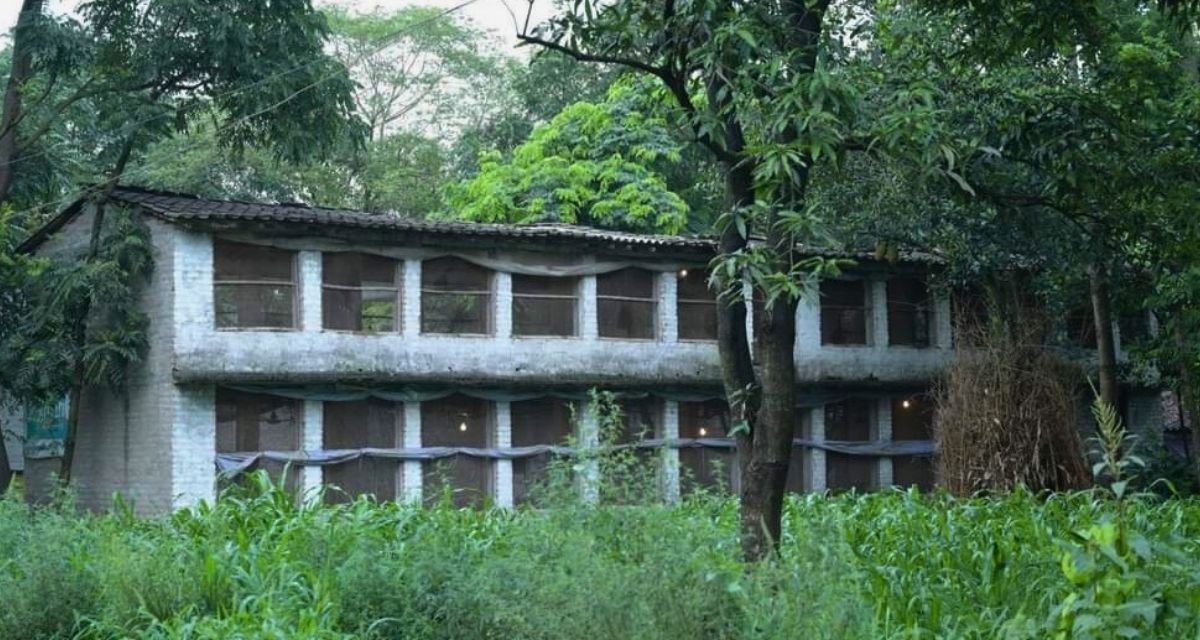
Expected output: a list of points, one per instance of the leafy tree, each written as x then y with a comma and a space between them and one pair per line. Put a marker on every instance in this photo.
764, 88
144, 67
592, 164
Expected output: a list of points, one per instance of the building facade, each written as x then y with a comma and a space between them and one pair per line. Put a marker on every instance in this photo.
395, 357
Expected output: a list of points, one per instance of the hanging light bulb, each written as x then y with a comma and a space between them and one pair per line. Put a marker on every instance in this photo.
906, 404
683, 273
462, 426
703, 432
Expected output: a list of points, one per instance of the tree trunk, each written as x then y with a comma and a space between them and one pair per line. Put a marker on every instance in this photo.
22, 66
1187, 392
1106, 350
79, 330
5, 470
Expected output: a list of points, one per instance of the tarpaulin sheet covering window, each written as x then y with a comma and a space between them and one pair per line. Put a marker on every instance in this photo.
626, 304
455, 297
457, 421
358, 425
706, 466
696, 306
360, 292
546, 421
253, 286
843, 312
908, 312
249, 423
849, 420
544, 306
912, 421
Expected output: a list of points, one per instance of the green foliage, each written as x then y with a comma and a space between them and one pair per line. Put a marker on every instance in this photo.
593, 164
889, 565
39, 349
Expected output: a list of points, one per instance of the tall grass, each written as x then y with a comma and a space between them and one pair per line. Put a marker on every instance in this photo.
259, 565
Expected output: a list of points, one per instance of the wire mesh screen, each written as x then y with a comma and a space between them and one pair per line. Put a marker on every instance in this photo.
849, 420
253, 286
251, 422
912, 419
908, 312
360, 292
456, 421
357, 425
455, 297
626, 304
696, 306
706, 466
544, 306
843, 312
1081, 327
536, 422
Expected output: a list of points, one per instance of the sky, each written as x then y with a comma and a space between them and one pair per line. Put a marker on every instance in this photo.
492, 15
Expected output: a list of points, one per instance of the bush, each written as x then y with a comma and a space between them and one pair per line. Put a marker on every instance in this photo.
894, 564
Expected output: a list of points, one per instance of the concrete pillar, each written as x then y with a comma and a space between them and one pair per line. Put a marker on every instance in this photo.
313, 439
195, 305
412, 299
309, 291
670, 455
668, 310
816, 457
589, 442
502, 310
410, 470
877, 308
883, 433
589, 322
943, 322
502, 438
808, 324
194, 446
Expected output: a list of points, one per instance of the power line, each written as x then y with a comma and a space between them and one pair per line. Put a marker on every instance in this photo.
378, 45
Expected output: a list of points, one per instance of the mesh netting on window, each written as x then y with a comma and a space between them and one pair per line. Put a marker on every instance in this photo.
456, 421
912, 419
361, 292
357, 425
696, 306
843, 312
849, 420
536, 422
705, 466
455, 297
250, 422
626, 304
253, 286
908, 312
544, 306
796, 480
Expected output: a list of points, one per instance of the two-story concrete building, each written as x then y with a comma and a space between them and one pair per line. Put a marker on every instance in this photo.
387, 355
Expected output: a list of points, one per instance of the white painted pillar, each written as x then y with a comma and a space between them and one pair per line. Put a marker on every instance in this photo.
943, 322
883, 433
502, 438
589, 464
670, 455
589, 321
816, 457
808, 324
668, 310
502, 310
193, 446
310, 291
877, 308
312, 439
194, 302
412, 300
410, 484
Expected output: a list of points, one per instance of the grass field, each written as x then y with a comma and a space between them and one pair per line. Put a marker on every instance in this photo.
895, 564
